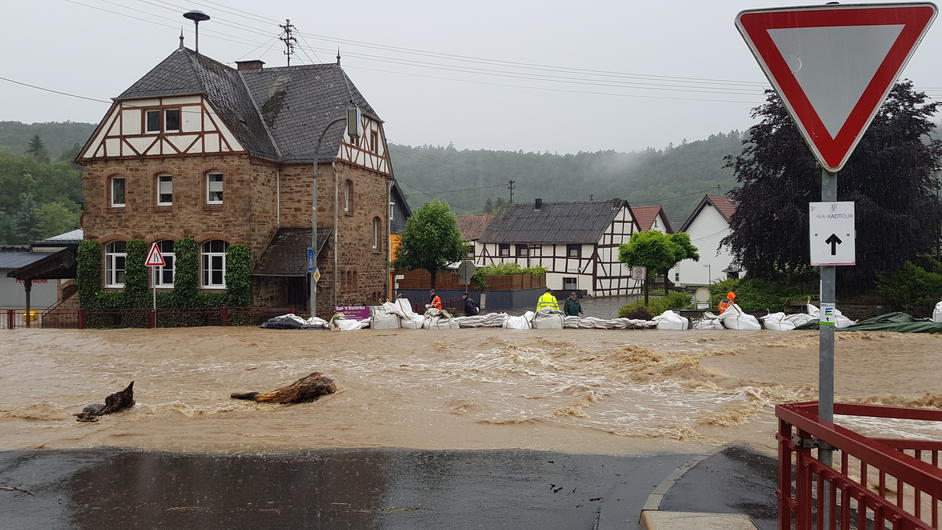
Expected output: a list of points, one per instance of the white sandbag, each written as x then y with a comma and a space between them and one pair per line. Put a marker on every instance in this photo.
440, 323
840, 321
799, 319
490, 320
708, 323
937, 313
345, 324
777, 322
520, 322
548, 319
735, 318
671, 320
416, 322
385, 316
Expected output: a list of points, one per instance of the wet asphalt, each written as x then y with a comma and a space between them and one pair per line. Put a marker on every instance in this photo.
384, 488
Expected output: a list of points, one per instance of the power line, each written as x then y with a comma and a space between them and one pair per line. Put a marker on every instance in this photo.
44, 89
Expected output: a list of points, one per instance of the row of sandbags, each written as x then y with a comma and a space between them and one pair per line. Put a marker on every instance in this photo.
574, 322
736, 319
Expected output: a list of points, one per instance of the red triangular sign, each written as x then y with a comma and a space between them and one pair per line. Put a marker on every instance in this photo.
834, 65
154, 257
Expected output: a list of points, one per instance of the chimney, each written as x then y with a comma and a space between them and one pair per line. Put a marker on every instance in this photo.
538, 204
255, 64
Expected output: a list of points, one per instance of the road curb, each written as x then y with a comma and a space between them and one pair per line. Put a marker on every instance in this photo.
654, 499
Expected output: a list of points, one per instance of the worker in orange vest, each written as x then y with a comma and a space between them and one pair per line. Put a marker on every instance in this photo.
728, 301
434, 300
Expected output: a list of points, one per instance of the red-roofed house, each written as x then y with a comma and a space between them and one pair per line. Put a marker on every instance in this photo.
651, 218
707, 225
472, 227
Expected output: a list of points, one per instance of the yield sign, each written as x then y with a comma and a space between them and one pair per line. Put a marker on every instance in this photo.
834, 65
155, 258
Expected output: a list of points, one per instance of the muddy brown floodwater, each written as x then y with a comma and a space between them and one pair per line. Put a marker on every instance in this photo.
584, 391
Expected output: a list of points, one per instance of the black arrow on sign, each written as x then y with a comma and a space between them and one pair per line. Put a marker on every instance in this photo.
834, 241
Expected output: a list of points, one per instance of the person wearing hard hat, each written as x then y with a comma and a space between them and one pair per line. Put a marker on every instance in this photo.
547, 301
728, 301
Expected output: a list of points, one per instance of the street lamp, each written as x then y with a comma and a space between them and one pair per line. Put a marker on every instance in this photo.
709, 269
353, 119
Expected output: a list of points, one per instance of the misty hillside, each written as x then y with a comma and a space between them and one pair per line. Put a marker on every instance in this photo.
676, 177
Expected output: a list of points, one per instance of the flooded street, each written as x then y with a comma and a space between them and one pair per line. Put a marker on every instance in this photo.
582, 391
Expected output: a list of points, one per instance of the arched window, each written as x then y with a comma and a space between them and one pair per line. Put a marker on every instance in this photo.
163, 276
213, 263
348, 196
116, 257
377, 225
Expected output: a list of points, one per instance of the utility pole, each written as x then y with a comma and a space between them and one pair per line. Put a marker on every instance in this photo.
510, 186
287, 38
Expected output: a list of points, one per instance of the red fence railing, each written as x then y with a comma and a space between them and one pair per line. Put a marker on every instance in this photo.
140, 317
873, 483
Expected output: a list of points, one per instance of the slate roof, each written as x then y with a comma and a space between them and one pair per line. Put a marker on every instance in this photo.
723, 204
186, 72
286, 254
402, 209
297, 102
14, 258
275, 113
554, 222
645, 216
72, 237
472, 226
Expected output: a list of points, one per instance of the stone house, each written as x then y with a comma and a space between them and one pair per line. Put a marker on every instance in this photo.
224, 155
577, 243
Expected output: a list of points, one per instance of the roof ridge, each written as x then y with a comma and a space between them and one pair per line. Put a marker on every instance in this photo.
259, 112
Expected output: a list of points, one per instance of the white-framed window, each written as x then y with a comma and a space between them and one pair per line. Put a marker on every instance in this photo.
574, 251
348, 196
172, 120
213, 263
118, 192
163, 276
214, 188
116, 257
392, 211
377, 226
164, 190
152, 121
569, 284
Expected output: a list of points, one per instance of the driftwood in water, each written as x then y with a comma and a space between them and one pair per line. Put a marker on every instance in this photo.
307, 388
114, 403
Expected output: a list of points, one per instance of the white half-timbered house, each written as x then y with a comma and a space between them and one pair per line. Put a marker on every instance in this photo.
577, 243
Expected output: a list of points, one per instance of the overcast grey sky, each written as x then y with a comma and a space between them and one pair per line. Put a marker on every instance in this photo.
540, 75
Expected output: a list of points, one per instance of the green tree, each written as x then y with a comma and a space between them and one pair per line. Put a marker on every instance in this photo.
38, 149
890, 177
27, 222
431, 239
57, 217
658, 252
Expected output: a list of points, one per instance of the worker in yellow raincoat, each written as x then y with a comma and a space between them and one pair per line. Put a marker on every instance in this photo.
547, 301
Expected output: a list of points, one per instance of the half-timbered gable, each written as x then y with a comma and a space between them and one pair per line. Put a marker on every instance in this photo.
198, 149
577, 243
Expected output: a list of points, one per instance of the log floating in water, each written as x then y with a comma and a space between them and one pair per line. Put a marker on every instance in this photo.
308, 388
114, 403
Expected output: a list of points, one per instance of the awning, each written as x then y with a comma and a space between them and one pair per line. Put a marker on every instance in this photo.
55, 266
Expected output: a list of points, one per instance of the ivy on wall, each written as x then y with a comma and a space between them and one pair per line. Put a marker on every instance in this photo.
185, 294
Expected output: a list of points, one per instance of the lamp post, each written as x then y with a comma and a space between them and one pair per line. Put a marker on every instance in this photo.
352, 116
709, 269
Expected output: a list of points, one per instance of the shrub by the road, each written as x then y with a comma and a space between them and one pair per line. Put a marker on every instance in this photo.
656, 306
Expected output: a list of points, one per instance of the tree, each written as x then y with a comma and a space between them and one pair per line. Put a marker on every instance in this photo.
56, 218
27, 222
38, 149
431, 239
658, 252
890, 177
488, 206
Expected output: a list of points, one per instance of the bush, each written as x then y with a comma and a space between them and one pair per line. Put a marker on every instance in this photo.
753, 294
503, 268
673, 300
88, 272
916, 287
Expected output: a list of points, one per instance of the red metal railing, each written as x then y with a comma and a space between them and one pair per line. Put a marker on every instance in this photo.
878, 483
140, 318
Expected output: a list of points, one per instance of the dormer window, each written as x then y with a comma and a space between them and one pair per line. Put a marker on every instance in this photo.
172, 120
152, 118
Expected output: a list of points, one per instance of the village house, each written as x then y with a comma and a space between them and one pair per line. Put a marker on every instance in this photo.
197, 149
707, 225
472, 227
651, 218
577, 243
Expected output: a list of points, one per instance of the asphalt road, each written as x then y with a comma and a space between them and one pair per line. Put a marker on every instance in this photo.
104, 488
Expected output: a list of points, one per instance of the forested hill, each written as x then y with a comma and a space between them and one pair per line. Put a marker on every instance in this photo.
676, 177
60, 138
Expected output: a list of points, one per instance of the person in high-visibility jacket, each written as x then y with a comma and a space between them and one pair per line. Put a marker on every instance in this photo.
547, 301
728, 301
